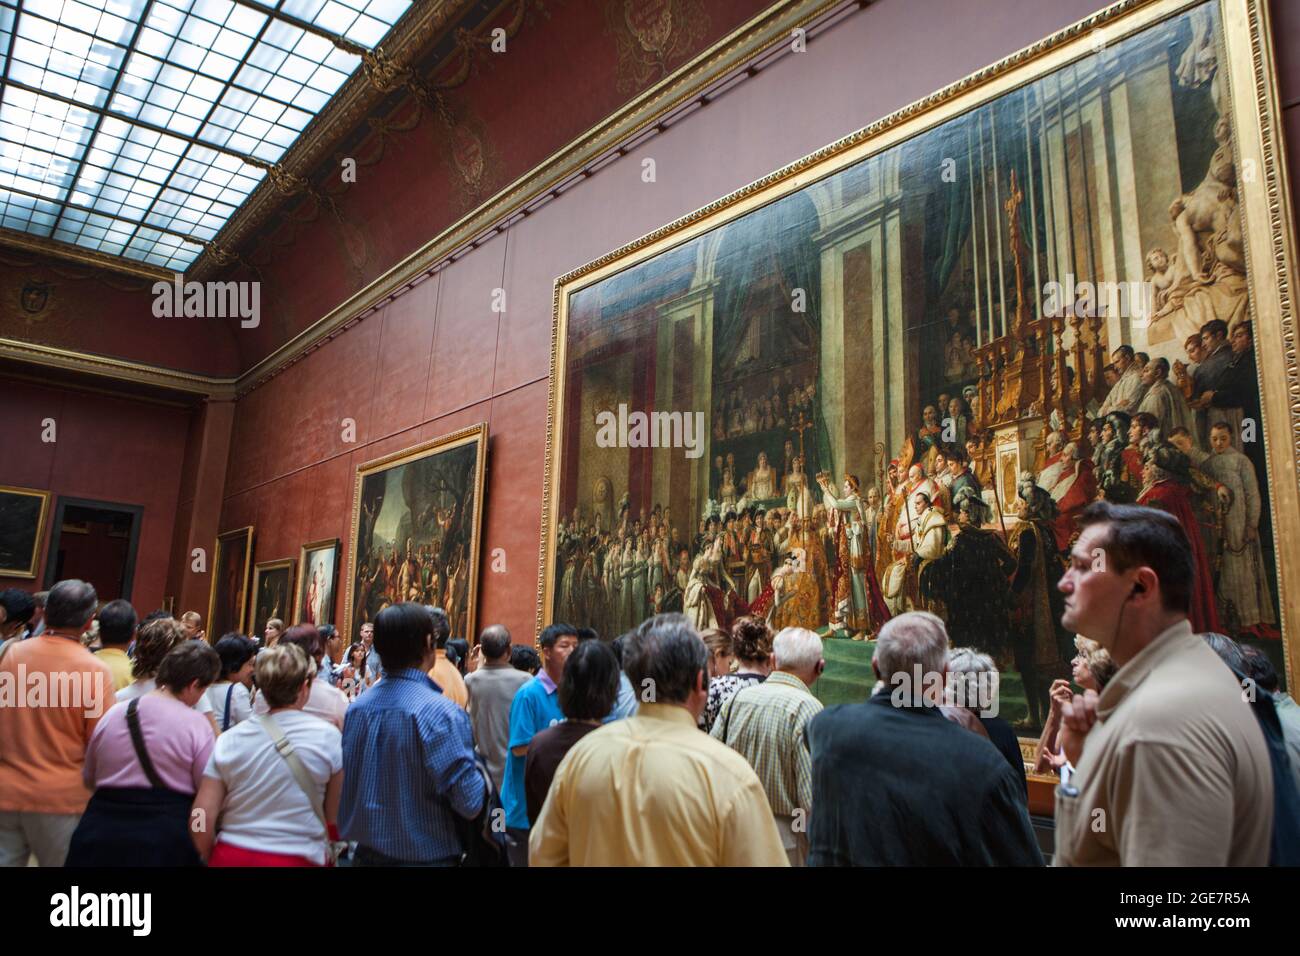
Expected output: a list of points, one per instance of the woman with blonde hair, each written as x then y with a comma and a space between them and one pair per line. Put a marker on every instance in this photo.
1092, 669
721, 651
274, 781
751, 640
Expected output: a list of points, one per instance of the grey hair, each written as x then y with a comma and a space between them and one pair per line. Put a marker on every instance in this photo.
965, 664
71, 603
665, 655
797, 648
916, 637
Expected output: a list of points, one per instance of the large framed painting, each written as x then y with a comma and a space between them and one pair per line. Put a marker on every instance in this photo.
891, 375
22, 530
231, 561
318, 574
272, 594
416, 520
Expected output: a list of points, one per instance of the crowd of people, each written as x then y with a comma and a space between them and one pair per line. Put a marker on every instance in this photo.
147, 745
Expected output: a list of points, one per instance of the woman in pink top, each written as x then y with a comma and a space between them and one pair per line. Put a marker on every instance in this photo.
145, 762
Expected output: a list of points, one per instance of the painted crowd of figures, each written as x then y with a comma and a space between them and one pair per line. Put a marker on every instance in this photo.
418, 574
827, 554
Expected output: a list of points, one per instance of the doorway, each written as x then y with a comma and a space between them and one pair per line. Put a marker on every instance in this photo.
96, 542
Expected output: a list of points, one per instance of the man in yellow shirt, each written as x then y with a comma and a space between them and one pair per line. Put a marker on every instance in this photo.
444, 672
117, 624
652, 790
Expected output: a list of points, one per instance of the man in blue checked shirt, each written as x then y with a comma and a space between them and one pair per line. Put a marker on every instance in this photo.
408, 756
536, 706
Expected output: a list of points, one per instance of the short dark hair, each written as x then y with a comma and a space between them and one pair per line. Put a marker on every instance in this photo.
439, 624
402, 634
71, 604
556, 631
589, 686
618, 645
495, 641
234, 650
1259, 668
1215, 327
1148, 536
524, 658
666, 652
1124, 350
307, 637
186, 663
117, 622
327, 633
19, 605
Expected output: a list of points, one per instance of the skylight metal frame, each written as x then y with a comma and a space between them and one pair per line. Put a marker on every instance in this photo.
179, 186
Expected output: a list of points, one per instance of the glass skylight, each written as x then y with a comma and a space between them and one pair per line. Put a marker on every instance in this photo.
126, 126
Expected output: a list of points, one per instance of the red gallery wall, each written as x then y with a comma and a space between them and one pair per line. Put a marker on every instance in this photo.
106, 448
438, 358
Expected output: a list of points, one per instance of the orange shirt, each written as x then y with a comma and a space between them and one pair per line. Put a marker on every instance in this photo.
52, 693
446, 676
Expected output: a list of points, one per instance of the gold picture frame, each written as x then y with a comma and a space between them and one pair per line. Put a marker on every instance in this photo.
464, 620
232, 570
301, 592
264, 570
26, 496
1249, 72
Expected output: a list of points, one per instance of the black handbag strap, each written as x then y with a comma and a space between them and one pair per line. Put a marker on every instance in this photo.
225, 718
137, 741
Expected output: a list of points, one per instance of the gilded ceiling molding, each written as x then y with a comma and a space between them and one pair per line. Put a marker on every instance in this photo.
85, 257
46, 356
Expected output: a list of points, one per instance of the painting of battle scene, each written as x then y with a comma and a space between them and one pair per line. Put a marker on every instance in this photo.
415, 531
915, 373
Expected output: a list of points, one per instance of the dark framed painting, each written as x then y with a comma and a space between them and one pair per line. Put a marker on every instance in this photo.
416, 529
272, 594
232, 560
318, 574
891, 375
22, 530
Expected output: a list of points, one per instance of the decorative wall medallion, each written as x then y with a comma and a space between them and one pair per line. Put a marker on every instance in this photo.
34, 299
652, 36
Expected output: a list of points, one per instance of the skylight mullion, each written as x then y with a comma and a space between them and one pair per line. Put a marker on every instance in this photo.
108, 101
135, 121
212, 107
100, 212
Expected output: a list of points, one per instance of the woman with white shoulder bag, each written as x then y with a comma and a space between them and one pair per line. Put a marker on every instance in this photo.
270, 793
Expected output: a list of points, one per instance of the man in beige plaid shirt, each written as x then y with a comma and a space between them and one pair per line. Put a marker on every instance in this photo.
765, 724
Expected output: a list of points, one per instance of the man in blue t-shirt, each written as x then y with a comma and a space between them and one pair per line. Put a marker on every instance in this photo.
535, 707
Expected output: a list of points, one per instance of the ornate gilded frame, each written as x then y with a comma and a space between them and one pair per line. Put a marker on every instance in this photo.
474, 433
38, 546
261, 568
300, 588
217, 550
1265, 199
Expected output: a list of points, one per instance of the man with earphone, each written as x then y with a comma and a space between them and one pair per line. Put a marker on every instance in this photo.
1172, 768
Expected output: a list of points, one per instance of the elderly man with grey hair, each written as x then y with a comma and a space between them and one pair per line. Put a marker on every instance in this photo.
897, 784
652, 790
765, 723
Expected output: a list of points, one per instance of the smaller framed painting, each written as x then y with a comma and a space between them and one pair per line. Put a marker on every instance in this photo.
318, 575
231, 560
272, 593
22, 530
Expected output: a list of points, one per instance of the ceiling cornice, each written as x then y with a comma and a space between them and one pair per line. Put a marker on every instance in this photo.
57, 249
